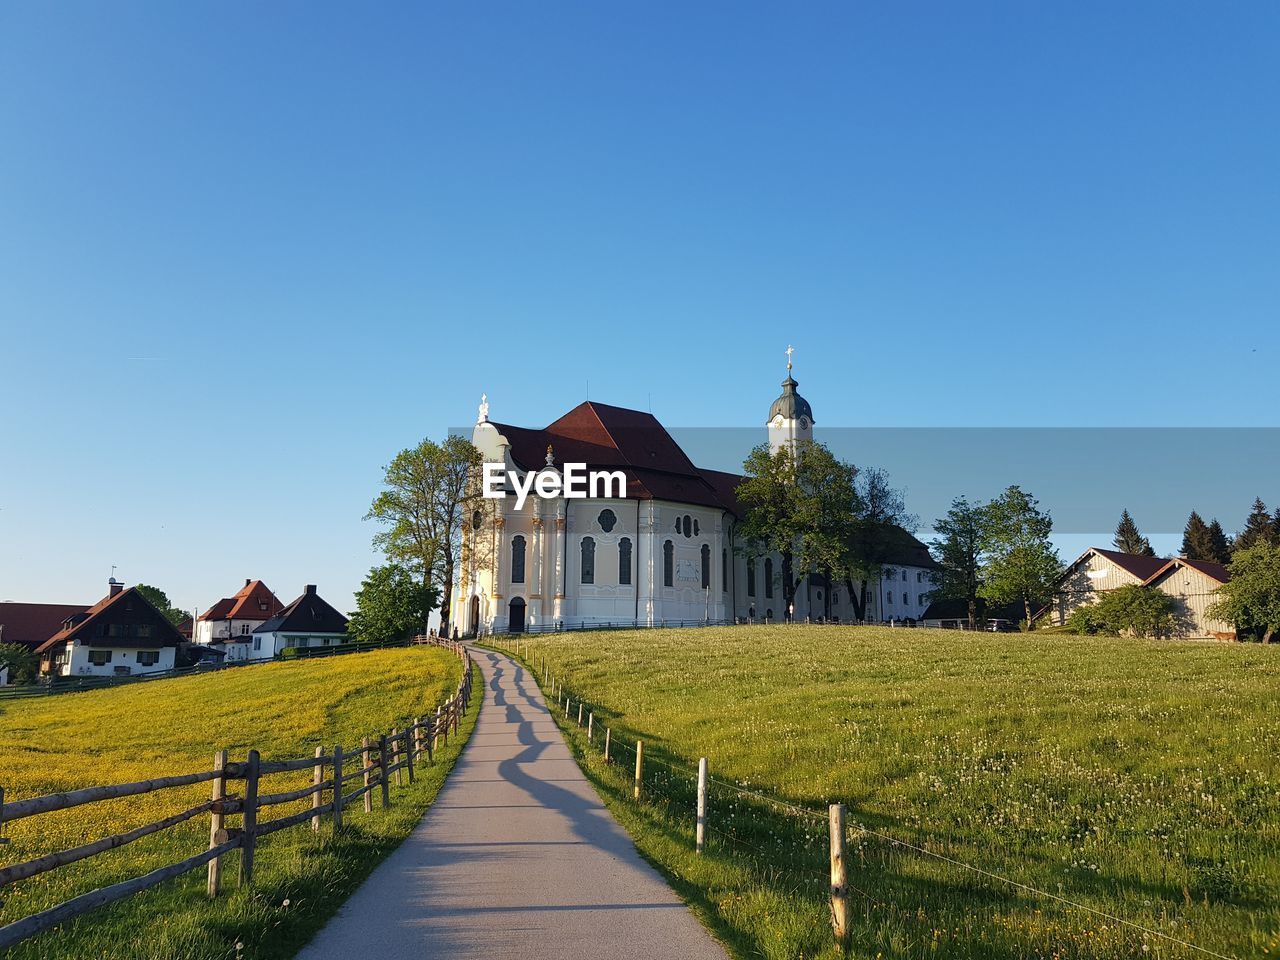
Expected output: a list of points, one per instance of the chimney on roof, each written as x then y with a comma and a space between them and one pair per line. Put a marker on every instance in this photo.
247, 581
311, 589
114, 586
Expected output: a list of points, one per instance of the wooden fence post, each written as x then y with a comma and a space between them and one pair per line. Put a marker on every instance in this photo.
408, 750
215, 823
382, 771
366, 761
639, 765
435, 732
317, 778
568, 702
250, 825
395, 756
702, 804
337, 789
580, 713
608, 735
591, 727
839, 882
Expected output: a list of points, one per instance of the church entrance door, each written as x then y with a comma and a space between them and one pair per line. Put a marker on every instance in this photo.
515, 622
475, 614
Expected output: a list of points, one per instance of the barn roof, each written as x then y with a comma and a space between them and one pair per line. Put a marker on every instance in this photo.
31, 624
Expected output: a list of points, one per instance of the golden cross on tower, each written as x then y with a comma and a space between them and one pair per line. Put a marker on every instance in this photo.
789, 351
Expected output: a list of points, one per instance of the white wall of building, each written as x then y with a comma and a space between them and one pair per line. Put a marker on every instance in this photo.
80, 658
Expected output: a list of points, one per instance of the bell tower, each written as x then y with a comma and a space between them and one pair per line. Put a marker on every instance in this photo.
790, 417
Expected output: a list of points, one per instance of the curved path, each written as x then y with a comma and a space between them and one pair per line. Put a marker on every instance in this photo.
517, 858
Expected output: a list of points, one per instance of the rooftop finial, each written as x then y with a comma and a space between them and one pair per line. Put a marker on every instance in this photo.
551, 457
790, 350
484, 409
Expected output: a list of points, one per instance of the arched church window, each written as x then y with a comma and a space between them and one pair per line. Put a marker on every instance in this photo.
695, 527
768, 577
608, 520
588, 560
751, 576
624, 561
517, 559
668, 564
706, 567
688, 525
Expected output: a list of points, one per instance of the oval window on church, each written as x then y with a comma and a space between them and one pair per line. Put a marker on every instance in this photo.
607, 520
688, 525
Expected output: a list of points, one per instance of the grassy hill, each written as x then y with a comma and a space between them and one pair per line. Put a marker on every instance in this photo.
1138, 779
174, 726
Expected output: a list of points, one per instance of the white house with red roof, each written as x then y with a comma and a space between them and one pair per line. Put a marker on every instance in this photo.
120, 635
229, 624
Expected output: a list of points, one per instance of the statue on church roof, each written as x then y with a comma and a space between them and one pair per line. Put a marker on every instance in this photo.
484, 409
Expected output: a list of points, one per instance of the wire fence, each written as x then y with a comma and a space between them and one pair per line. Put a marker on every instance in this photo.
783, 842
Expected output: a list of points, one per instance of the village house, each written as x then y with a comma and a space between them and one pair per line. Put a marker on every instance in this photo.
31, 624
228, 625
1193, 585
307, 622
1094, 572
120, 635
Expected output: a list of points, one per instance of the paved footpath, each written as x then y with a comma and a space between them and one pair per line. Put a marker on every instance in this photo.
517, 858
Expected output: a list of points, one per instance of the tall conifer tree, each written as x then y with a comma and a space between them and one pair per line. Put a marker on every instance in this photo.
1197, 541
1259, 528
1129, 539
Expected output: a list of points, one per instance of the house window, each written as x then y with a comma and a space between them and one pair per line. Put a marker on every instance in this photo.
888, 599
920, 599
835, 597
724, 570
148, 658
257, 643
99, 658
588, 560
607, 520
144, 631
768, 577
517, 559
919, 576
244, 629
751, 576
706, 567
624, 561
906, 600
668, 563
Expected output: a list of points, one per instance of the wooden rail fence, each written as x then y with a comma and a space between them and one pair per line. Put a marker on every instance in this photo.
373, 766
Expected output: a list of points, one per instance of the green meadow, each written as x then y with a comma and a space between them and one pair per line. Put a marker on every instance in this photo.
174, 726
1137, 780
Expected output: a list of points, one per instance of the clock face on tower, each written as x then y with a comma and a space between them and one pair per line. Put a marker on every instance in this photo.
777, 420
804, 423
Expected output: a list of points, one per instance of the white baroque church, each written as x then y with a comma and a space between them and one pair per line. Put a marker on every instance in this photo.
667, 553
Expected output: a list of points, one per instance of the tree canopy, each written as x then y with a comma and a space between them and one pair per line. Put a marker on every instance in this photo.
958, 548
877, 509
1258, 528
1251, 598
429, 490
1128, 539
798, 504
1019, 562
392, 604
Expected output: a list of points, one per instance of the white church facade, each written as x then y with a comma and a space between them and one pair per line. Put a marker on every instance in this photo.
665, 554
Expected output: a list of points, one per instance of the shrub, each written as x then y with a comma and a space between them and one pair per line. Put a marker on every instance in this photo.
1126, 611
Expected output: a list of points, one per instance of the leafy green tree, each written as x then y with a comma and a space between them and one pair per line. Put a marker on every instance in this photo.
798, 504
430, 489
1251, 598
1258, 528
1197, 540
1019, 562
959, 549
1221, 543
160, 600
22, 661
392, 604
877, 509
1128, 539
1130, 610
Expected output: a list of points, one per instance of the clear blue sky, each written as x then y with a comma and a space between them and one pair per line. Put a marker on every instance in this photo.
247, 252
